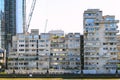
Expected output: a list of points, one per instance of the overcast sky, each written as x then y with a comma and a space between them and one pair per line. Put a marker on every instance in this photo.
67, 15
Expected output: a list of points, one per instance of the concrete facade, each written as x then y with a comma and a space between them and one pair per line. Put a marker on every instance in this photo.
47, 52
100, 49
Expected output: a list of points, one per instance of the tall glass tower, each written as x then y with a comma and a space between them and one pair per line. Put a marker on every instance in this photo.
2, 21
20, 15
12, 19
10, 22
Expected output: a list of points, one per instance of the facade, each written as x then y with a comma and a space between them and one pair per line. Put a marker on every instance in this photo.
20, 15
100, 49
12, 23
34, 53
12, 19
73, 51
14, 13
2, 23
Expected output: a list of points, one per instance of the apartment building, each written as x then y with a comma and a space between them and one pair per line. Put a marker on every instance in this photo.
65, 52
51, 52
24, 53
73, 43
100, 49
58, 55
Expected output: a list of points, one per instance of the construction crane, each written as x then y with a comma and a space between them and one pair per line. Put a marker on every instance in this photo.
30, 16
45, 25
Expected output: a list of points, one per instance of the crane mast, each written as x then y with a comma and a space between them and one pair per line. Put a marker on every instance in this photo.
45, 25
30, 16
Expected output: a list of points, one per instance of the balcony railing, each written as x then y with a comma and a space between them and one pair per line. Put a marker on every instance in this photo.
110, 66
91, 45
113, 61
89, 50
111, 31
105, 56
91, 55
90, 65
106, 21
93, 16
107, 36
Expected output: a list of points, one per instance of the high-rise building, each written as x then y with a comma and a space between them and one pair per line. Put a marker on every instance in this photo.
2, 37
14, 19
100, 49
10, 22
20, 15
2, 22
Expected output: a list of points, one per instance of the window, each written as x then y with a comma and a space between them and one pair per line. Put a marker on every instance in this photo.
21, 49
26, 45
36, 36
22, 45
21, 36
30, 37
97, 38
21, 40
96, 24
26, 49
109, 18
89, 14
42, 41
70, 35
106, 25
111, 43
89, 22
77, 40
77, 36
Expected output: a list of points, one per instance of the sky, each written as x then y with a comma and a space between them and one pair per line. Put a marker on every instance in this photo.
67, 15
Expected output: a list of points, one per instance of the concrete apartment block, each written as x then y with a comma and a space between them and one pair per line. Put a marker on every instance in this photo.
51, 52
100, 49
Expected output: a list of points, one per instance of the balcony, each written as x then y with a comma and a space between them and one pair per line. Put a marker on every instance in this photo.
113, 56
113, 61
111, 40
91, 55
106, 21
90, 65
111, 31
90, 60
93, 16
90, 50
110, 36
86, 40
110, 66
113, 50
91, 45
13, 56
105, 56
